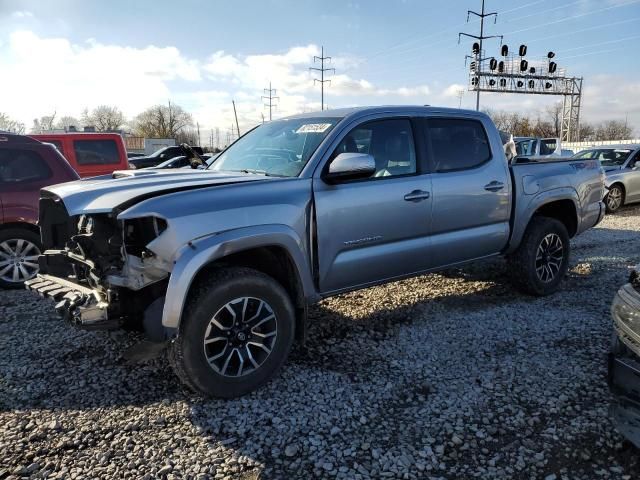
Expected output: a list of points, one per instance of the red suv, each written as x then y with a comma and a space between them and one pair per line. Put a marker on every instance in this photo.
90, 154
26, 165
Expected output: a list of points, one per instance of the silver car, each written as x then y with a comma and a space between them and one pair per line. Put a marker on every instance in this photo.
621, 164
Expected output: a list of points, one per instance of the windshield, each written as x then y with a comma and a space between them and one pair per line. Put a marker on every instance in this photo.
280, 148
609, 157
157, 153
526, 147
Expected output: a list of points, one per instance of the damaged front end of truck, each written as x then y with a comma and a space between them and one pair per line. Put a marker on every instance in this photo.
624, 359
99, 269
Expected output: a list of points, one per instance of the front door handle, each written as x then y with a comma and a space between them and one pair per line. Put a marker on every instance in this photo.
494, 186
416, 196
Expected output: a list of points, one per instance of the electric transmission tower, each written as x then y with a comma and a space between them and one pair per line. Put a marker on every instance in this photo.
322, 69
270, 94
477, 52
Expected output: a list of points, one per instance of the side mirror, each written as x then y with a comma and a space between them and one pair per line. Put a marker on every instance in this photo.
350, 166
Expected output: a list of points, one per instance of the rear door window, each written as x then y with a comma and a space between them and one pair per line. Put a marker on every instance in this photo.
458, 144
22, 166
96, 152
548, 146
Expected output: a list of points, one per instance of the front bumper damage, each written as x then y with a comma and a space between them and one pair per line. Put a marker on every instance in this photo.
624, 361
98, 269
80, 305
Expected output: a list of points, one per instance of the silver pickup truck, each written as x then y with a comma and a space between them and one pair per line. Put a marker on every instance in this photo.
221, 264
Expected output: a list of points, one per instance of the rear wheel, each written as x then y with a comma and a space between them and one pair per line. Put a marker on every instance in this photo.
19, 251
235, 334
614, 198
541, 261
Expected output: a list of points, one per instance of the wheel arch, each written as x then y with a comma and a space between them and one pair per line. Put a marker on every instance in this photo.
275, 250
20, 226
564, 211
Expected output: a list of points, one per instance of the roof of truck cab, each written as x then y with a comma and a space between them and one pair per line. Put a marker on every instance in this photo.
359, 111
618, 146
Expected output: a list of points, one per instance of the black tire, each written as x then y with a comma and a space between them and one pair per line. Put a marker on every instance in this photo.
614, 198
209, 298
8, 239
526, 270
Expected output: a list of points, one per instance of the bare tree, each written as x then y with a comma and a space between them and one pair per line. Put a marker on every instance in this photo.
104, 117
554, 115
162, 121
43, 123
187, 135
587, 132
613, 130
67, 121
9, 125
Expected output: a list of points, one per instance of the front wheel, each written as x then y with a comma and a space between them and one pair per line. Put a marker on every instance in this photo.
614, 198
19, 251
540, 263
235, 334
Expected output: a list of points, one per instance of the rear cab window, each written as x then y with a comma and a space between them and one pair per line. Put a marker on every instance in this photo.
96, 152
457, 144
22, 166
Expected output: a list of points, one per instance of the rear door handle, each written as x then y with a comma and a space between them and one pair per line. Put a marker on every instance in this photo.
416, 196
494, 186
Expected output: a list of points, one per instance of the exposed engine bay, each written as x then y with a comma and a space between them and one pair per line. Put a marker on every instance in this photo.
98, 268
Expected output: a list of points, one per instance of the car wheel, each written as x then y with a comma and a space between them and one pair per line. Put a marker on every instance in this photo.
541, 261
614, 198
235, 334
19, 251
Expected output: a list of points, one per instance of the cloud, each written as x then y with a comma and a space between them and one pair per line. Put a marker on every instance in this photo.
604, 97
22, 14
52, 74
453, 90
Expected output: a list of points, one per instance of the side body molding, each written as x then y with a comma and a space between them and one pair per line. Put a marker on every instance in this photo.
191, 258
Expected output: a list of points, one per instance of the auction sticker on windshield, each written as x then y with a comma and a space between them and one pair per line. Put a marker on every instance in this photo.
313, 128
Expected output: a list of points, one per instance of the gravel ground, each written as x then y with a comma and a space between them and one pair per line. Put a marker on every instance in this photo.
444, 376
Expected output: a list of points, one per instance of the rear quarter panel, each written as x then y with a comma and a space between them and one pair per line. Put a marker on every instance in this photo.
537, 184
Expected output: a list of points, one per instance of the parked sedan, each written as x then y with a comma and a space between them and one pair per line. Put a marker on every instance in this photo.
624, 359
621, 164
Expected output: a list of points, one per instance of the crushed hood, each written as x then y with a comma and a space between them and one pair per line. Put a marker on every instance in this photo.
104, 193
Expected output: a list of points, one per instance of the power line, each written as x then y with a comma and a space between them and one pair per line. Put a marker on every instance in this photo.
271, 96
412, 40
322, 69
573, 17
480, 38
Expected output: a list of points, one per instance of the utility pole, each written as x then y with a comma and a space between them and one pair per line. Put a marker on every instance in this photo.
270, 94
198, 127
236, 115
322, 81
218, 137
460, 95
480, 38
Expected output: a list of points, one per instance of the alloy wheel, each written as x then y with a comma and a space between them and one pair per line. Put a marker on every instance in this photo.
549, 257
240, 336
614, 198
18, 260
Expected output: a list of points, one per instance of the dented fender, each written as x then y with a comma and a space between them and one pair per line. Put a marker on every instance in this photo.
197, 254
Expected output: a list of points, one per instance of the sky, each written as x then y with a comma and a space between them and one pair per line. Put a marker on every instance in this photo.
68, 55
